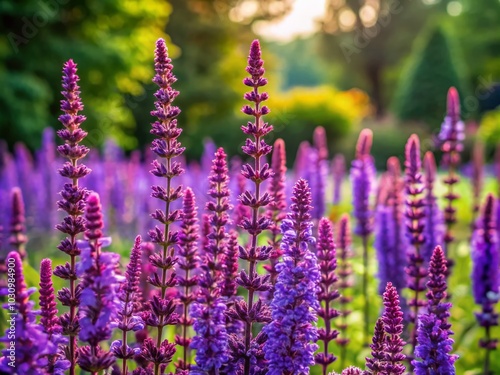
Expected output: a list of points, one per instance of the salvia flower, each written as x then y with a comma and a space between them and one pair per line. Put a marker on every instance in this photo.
167, 148
434, 342
208, 311
128, 316
414, 213
276, 208
49, 320
188, 262
375, 363
338, 174
99, 299
450, 140
363, 181
390, 240
477, 177
251, 311
485, 272
433, 216
326, 253
344, 271
18, 237
320, 167
351, 370
292, 334
32, 345
73, 201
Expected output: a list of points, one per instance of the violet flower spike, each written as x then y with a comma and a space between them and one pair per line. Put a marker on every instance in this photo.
485, 274
208, 311
375, 363
18, 237
292, 333
318, 179
450, 140
33, 346
128, 317
433, 216
344, 271
338, 174
167, 148
99, 300
415, 270
276, 208
256, 147
363, 180
72, 202
328, 294
188, 262
57, 364
434, 342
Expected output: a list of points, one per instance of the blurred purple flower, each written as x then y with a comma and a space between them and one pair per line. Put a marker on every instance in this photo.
18, 236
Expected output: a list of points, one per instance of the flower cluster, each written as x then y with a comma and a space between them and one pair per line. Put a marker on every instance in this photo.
291, 334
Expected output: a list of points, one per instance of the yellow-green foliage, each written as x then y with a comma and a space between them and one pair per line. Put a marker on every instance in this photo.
489, 129
297, 112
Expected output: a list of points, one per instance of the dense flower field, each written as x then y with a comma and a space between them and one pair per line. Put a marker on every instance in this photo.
240, 266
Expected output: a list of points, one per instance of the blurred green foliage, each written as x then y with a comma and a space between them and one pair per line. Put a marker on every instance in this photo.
489, 129
421, 96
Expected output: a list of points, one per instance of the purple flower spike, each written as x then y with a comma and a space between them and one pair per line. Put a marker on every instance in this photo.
99, 299
32, 345
318, 179
230, 267
338, 173
276, 209
450, 140
188, 262
351, 370
376, 363
393, 327
345, 283
291, 334
18, 237
477, 178
434, 342
128, 317
433, 216
246, 350
485, 273
72, 202
363, 181
415, 224
326, 253
166, 147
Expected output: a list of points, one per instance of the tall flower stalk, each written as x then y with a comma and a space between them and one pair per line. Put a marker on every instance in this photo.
188, 262
345, 283
328, 294
276, 208
415, 270
129, 319
434, 342
208, 311
72, 202
292, 333
167, 148
254, 311
363, 180
477, 178
450, 141
18, 237
318, 179
338, 174
485, 274
99, 300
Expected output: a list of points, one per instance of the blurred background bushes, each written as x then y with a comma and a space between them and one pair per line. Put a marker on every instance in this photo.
385, 64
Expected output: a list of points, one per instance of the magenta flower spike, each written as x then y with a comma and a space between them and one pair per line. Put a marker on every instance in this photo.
393, 328
327, 294
18, 236
72, 202
338, 170
245, 352
486, 273
320, 168
276, 208
167, 148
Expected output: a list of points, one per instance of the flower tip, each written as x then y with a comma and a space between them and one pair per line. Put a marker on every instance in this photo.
255, 49
453, 103
364, 144
430, 165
